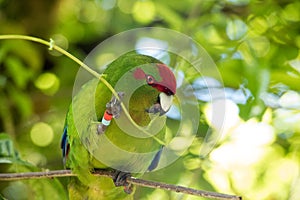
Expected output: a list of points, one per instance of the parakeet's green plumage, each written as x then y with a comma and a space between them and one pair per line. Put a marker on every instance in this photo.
122, 145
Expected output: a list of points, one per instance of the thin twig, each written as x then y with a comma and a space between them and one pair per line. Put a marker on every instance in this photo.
106, 173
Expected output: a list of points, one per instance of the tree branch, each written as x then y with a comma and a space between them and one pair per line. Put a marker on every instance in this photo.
106, 173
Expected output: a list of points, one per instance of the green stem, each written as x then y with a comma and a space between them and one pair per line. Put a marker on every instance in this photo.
51, 45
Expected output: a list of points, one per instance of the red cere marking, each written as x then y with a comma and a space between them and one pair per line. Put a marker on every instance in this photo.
139, 74
168, 83
107, 116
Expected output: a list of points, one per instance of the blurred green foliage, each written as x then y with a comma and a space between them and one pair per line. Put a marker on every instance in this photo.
255, 44
27, 189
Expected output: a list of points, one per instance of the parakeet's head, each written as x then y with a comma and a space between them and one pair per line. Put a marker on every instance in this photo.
160, 77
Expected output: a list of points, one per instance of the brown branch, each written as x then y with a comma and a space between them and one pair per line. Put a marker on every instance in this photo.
136, 181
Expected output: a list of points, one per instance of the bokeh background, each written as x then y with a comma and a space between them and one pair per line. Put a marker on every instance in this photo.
255, 45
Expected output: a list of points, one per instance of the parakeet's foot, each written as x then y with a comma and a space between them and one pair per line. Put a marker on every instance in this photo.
120, 179
113, 110
114, 105
156, 108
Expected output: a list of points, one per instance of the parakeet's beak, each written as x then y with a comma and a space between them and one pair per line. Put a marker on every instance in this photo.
162, 105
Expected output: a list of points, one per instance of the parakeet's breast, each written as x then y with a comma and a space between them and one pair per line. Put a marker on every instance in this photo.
141, 100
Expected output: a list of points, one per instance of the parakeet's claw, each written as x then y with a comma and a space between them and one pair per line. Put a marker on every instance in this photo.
128, 189
101, 128
113, 110
156, 108
114, 105
120, 179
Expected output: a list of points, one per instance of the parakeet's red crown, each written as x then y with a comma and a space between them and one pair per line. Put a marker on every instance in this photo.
167, 83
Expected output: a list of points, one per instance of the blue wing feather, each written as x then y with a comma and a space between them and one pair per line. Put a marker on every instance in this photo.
155, 160
64, 145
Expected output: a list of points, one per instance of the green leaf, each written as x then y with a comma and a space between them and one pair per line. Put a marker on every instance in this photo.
7, 152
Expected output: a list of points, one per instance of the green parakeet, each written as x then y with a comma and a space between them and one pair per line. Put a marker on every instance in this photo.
98, 133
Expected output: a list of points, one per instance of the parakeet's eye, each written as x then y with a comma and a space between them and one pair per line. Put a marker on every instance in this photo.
150, 80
